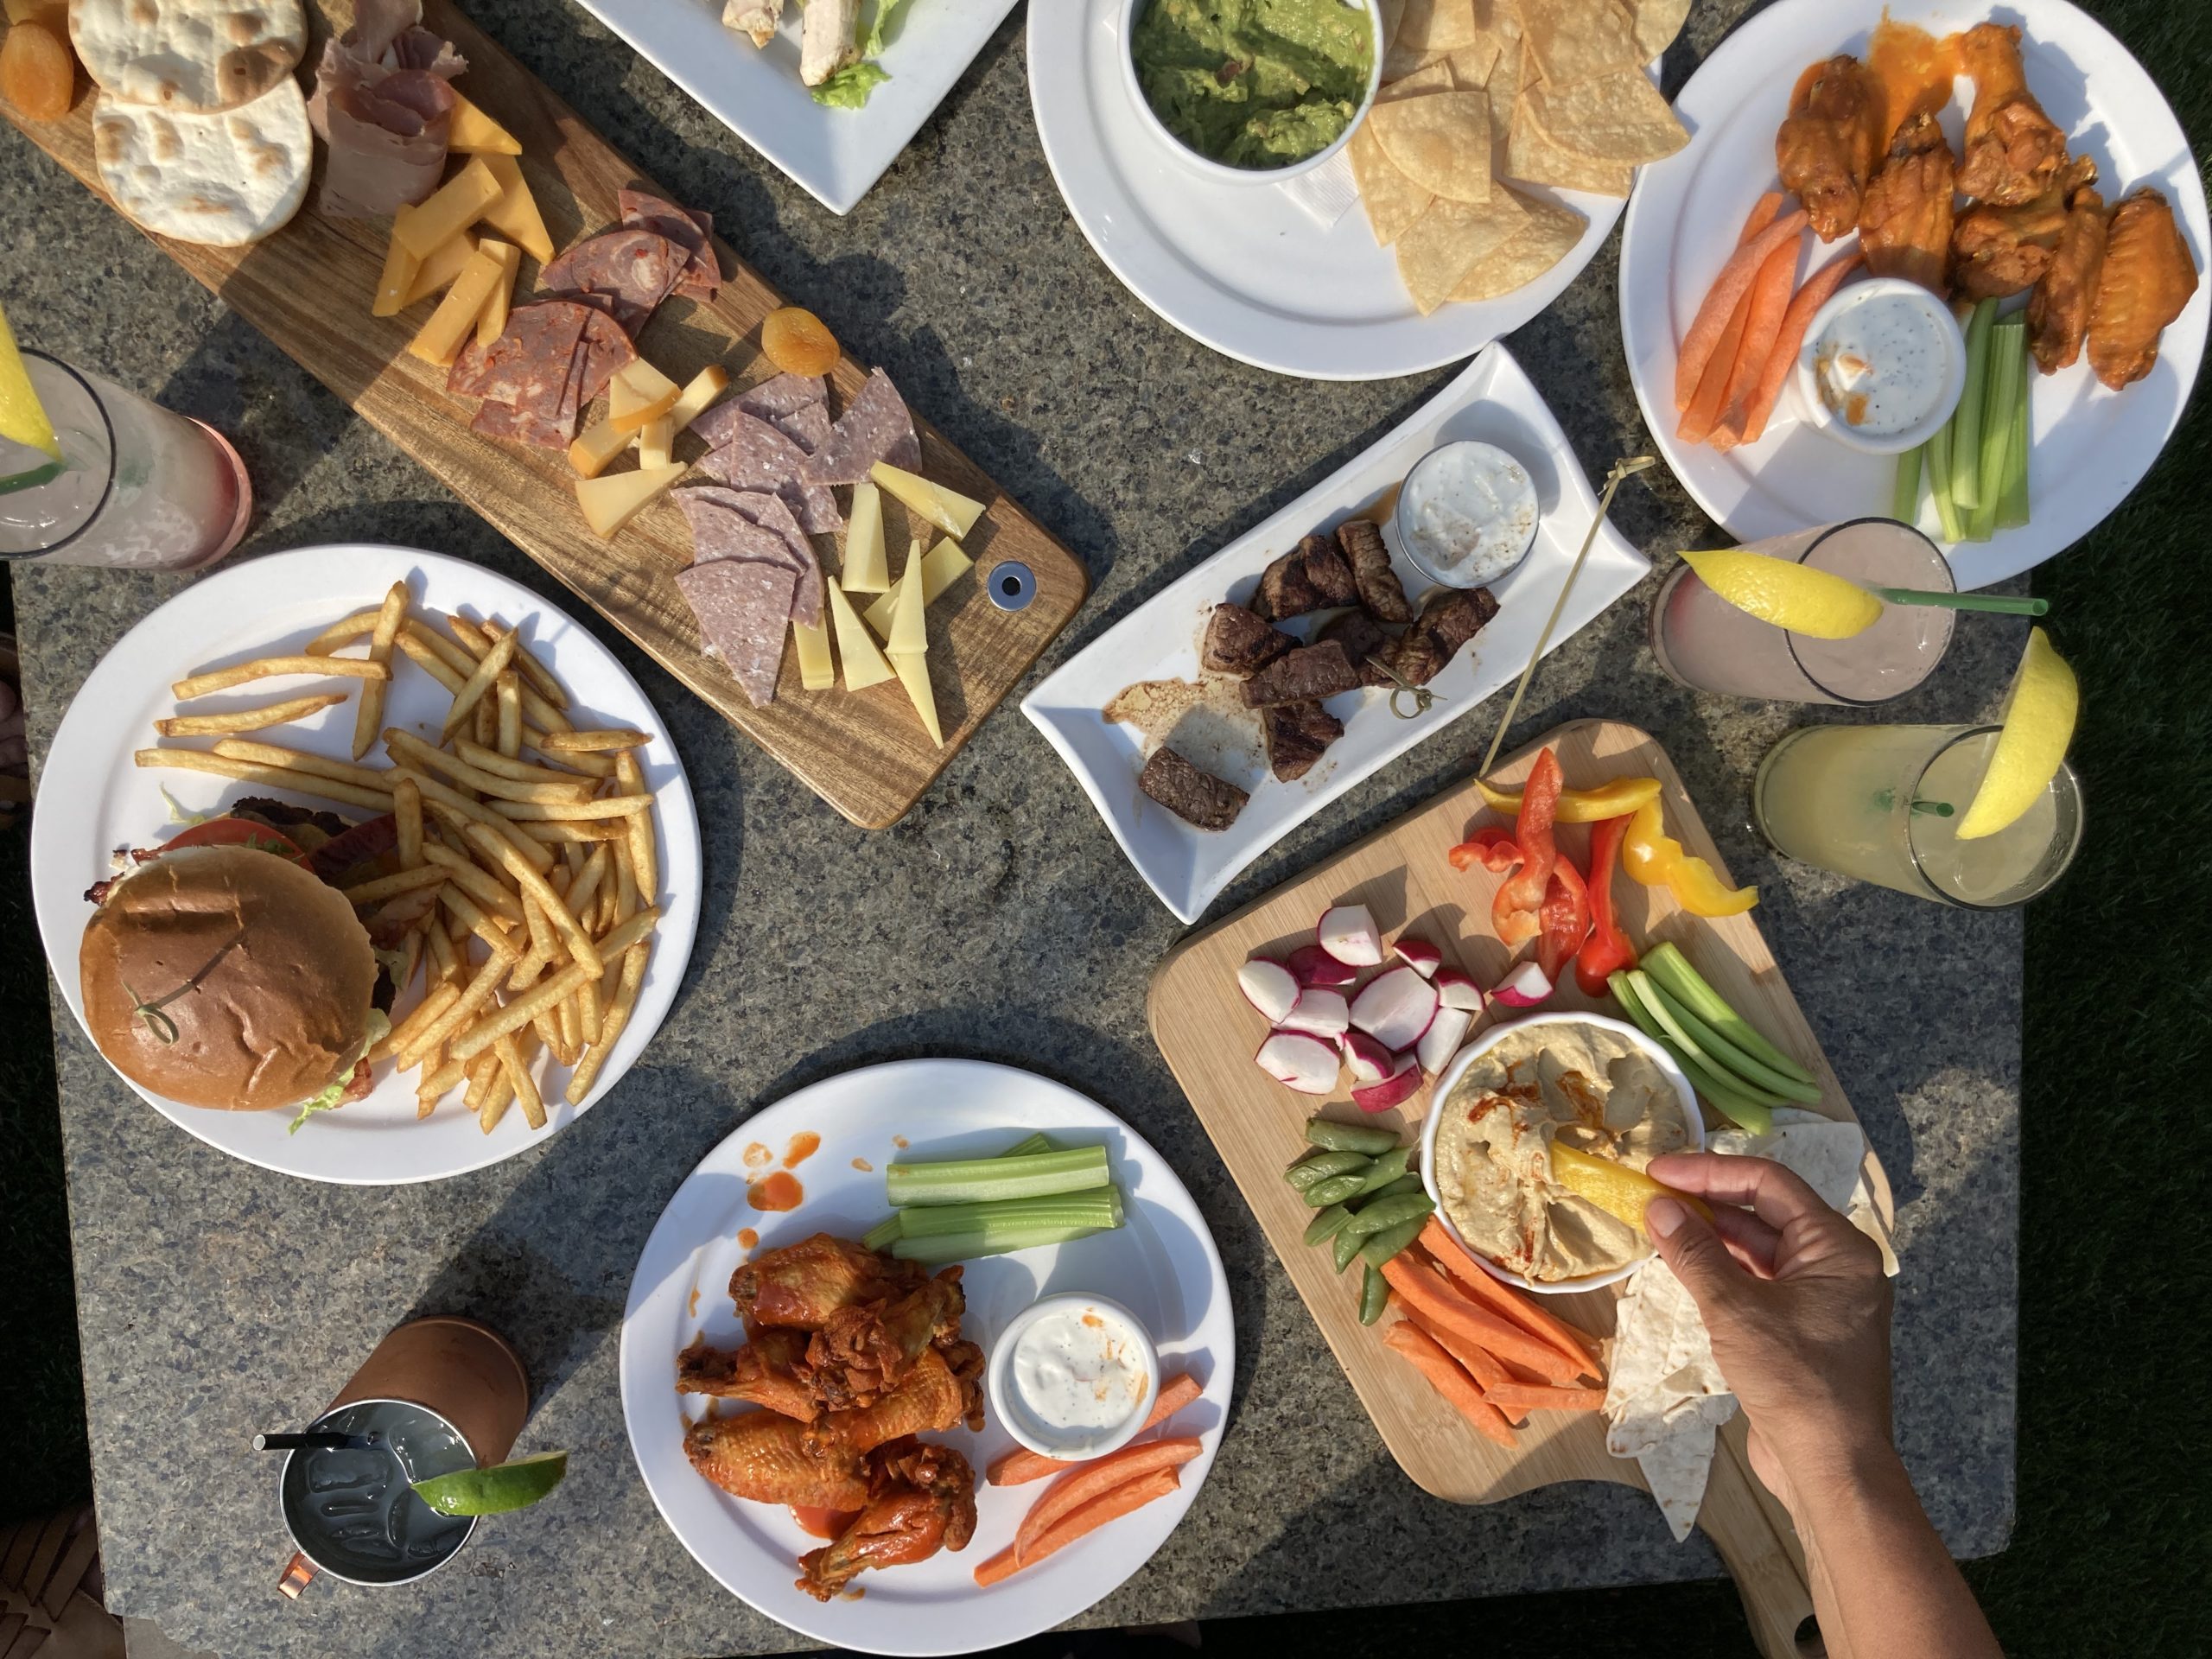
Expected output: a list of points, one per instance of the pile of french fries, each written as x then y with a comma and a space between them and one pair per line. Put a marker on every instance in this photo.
542, 890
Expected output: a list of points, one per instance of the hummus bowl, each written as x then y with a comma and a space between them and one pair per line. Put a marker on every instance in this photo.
1661, 1083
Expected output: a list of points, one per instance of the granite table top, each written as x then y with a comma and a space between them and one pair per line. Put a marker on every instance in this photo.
216, 1298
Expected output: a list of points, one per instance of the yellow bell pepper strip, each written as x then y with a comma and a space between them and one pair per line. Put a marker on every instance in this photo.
1607, 950
1620, 1191
1653, 858
1615, 799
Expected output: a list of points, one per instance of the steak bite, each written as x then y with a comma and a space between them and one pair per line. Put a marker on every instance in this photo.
1447, 622
1309, 673
1296, 734
1361, 637
1238, 642
1196, 796
1378, 585
1311, 576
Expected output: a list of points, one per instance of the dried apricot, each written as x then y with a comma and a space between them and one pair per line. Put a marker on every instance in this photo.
797, 342
38, 73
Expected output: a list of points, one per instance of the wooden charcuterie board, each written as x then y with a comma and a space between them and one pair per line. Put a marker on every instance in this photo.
309, 288
1208, 1031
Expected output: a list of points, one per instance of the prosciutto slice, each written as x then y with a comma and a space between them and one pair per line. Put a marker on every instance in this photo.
383, 105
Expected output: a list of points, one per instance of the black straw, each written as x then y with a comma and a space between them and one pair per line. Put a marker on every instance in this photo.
319, 1442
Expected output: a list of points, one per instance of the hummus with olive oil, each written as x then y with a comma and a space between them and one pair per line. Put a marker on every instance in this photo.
1580, 1085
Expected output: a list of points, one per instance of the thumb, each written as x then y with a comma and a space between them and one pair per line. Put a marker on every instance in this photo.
1688, 1244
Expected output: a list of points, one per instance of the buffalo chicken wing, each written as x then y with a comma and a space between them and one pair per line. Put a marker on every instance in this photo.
2013, 150
2058, 311
921, 1499
2148, 276
1904, 218
1999, 251
1825, 150
802, 1285
765, 1456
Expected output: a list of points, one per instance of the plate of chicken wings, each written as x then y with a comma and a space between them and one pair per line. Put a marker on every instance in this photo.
808, 1413
2023, 157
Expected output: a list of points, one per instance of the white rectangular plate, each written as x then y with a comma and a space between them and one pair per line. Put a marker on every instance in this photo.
1187, 867
836, 155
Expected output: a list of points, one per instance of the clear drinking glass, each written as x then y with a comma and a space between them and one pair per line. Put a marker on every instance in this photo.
1860, 800
142, 488
1707, 644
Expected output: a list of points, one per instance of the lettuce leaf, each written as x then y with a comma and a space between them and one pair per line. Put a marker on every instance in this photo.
879, 29
849, 88
379, 1028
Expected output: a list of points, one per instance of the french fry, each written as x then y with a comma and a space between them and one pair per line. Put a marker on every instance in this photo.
264, 668
457, 1013
431, 653
444, 966
480, 1078
611, 1025
359, 626
390, 887
407, 811
644, 856
303, 782
434, 1002
611, 738
607, 806
466, 657
560, 835
497, 1098
540, 677
466, 912
486, 718
411, 959
536, 886
471, 879
523, 771
572, 854
412, 751
509, 688
274, 754
479, 682
454, 806
583, 891
248, 720
469, 1043
514, 1059
368, 713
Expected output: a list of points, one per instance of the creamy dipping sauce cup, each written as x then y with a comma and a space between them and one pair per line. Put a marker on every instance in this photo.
1073, 1376
1466, 514
1882, 365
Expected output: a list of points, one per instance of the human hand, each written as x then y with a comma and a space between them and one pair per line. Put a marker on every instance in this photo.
1797, 1305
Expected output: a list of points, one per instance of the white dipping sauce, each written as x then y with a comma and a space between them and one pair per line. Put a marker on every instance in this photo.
1080, 1373
1883, 364
1467, 514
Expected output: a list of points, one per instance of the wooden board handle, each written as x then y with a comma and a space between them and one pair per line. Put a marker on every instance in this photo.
1751, 1530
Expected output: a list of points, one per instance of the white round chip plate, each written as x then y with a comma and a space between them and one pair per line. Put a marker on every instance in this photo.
2088, 446
92, 800
1160, 1264
1242, 268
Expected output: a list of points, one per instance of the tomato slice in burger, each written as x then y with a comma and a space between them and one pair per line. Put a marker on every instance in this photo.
238, 832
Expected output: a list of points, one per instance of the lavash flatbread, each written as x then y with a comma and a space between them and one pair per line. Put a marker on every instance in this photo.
188, 54
221, 179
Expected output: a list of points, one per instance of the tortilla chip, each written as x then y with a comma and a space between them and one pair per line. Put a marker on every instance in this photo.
1393, 14
1436, 25
1393, 200
1532, 157
1576, 41
1444, 243
1440, 141
1472, 64
1656, 24
1547, 237
1618, 118
1503, 91
1434, 76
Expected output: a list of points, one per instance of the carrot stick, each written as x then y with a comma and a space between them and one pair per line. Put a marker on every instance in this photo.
1478, 1362
1538, 1398
1420, 1287
1445, 1376
1769, 299
1705, 409
1523, 1310
1809, 298
1130, 1495
1730, 286
1070, 1492
1021, 1464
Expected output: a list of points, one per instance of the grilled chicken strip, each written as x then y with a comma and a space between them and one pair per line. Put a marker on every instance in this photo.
826, 41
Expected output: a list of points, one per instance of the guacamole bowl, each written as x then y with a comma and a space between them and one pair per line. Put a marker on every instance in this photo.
1238, 139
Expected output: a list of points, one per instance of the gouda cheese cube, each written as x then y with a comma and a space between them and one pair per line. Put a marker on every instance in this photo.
914, 673
400, 266
596, 446
492, 321
657, 442
515, 213
472, 132
949, 510
863, 663
611, 502
456, 205
865, 571
437, 272
639, 393
441, 337
700, 393
946, 563
818, 670
908, 636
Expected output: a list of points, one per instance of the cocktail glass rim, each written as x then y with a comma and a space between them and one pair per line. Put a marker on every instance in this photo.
1950, 585
1912, 821
107, 484
323, 1566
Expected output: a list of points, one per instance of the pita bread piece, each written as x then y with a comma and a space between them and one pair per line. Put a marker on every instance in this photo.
1576, 41
1532, 157
1444, 243
1547, 236
188, 54
1439, 140
220, 180
1620, 117
1656, 24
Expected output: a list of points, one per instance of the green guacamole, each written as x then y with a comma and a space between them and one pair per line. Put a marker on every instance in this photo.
1255, 83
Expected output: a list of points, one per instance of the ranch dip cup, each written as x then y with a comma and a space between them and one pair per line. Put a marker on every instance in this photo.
1467, 514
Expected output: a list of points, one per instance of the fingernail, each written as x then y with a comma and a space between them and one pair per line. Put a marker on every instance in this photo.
1661, 1217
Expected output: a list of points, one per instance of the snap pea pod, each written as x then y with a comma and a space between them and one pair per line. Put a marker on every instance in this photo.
1387, 1168
1335, 1190
1379, 1248
1403, 1183
1374, 1296
1391, 1212
1326, 1225
1310, 1171
1343, 1249
1350, 1137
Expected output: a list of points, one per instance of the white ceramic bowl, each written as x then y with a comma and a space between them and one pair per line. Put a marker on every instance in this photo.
1221, 172
1006, 1401
1814, 408
1483, 1044
1412, 550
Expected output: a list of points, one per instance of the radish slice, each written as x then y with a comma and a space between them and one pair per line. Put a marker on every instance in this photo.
1322, 1013
1442, 1039
1421, 956
1299, 1060
1398, 1087
1394, 1007
1370, 1062
1458, 990
1526, 987
1311, 965
1267, 986
1348, 933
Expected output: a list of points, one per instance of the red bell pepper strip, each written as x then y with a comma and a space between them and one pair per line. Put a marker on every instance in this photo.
1515, 909
1564, 917
1491, 848
1607, 948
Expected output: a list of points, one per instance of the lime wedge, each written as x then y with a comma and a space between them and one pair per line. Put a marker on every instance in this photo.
20, 416
1816, 603
495, 1491
2040, 712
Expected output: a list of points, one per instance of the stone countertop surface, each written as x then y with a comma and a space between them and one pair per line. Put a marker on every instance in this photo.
216, 1298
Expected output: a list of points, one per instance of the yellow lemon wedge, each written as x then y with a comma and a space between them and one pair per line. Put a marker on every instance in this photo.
21, 417
1620, 1191
2040, 712
1817, 603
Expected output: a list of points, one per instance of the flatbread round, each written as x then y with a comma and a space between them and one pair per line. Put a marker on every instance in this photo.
188, 54
221, 179
1438, 140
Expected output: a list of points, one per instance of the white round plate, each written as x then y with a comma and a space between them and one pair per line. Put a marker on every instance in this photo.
92, 800
1242, 268
1161, 1265
2088, 447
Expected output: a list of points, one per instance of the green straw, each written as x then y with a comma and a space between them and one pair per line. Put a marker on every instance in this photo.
1932, 809
2000, 603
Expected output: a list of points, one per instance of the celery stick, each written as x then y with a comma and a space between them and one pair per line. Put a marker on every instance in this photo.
1734, 1062
1666, 964
884, 1234
2013, 511
1966, 423
1725, 1097
1939, 482
1035, 1143
1905, 501
2007, 351
965, 1247
1101, 1207
1679, 1035
981, 1180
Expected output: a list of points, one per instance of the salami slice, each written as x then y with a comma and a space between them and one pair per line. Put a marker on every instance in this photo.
874, 427
783, 395
634, 269
693, 232
744, 609
755, 456
506, 421
770, 522
532, 354
807, 426
604, 349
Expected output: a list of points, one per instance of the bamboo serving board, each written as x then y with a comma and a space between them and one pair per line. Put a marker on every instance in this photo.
309, 288
1208, 1031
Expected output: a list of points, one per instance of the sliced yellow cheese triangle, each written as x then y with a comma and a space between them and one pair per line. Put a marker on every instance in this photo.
818, 670
611, 502
909, 635
474, 132
945, 564
639, 393
439, 340
452, 207
595, 447
515, 213
865, 571
657, 442
949, 510
914, 674
438, 272
699, 392
397, 282
863, 663
492, 321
